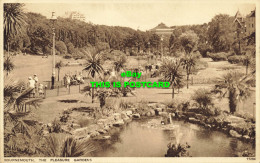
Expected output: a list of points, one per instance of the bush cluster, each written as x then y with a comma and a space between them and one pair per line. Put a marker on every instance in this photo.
221, 56
235, 59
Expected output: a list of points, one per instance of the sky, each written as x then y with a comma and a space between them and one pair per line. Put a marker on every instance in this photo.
143, 15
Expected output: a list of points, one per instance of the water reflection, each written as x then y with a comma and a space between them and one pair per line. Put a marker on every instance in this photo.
136, 140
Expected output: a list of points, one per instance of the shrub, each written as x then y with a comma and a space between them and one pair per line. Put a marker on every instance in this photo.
83, 122
171, 104
203, 98
142, 106
221, 56
123, 104
133, 53
112, 104
184, 106
61, 47
235, 59
67, 56
56, 126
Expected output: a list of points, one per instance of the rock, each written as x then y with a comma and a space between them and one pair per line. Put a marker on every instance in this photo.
106, 137
49, 125
234, 119
194, 120
137, 115
225, 129
86, 137
101, 131
159, 109
94, 134
106, 128
45, 132
76, 126
148, 114
118, 123
153, 105
117, 116
200, 117
127, 119
142, 113
129, 112
133, 110
173, 115
210, 120
234, 134
246, 137
152, 112
163, 113
123, 115
102, 121
189, 114
81, 131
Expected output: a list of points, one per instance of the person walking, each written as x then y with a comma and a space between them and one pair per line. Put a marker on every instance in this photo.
68, 81
40, 89
35, 78
31, 84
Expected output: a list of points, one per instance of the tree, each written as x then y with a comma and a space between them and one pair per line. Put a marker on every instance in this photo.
188, 63
154, 41
18, 129
171, 72
16, 95
14, 21
70, 48
59, 65
233, 84
8, 65
221, 32
94, 66
61, 47
120, 63
189, 42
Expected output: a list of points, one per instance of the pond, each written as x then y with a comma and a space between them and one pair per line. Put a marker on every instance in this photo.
141, 139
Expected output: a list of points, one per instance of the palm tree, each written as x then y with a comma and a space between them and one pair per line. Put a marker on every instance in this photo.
171, 72
188, 62
59, 65
14, 21
69, 147
233, 84
8, 65
120, 63
93, 67
16, 95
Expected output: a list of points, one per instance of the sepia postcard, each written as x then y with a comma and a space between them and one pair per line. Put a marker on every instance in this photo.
130, 81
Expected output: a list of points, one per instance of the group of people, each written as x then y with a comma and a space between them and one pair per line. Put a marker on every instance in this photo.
73, 79
36, 87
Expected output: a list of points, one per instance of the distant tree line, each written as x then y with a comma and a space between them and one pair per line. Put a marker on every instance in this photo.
72, 36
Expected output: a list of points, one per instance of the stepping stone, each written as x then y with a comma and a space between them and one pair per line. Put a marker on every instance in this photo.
118, 123
136, 115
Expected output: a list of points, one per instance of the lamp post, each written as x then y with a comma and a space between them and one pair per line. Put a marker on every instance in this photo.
53, 19
148, 51
162, 46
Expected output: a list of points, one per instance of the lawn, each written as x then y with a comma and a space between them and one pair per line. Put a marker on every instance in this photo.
51, 108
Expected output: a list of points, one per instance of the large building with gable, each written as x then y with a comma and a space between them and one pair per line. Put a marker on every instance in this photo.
245, 24
162, 30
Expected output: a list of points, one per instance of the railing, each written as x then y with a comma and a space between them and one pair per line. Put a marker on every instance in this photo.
60, 89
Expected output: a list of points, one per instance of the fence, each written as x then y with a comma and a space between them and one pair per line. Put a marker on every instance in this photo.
60, 89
